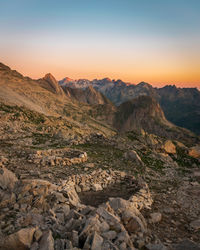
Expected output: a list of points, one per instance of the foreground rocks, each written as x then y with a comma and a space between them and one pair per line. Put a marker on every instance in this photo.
36, 214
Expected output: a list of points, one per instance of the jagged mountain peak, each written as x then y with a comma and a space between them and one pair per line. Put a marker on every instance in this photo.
144, 85
67, 79
50, 78
49, 82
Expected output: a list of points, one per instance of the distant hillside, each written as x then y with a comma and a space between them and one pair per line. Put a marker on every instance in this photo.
181, 106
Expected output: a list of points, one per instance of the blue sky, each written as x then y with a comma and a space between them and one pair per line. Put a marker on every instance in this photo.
151, 40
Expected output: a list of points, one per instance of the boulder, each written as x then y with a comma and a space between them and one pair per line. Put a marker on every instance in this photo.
169, 147
195, 152
20, 240
133, 156
97, 187
47, 241
155, 217
97, 242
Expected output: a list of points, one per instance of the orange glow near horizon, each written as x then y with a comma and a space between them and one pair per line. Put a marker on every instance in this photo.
153, 60
153, 75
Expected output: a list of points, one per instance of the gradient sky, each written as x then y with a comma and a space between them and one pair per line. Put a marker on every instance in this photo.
157, 41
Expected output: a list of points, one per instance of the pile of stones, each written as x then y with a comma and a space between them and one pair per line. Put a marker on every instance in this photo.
53, 157
36, 214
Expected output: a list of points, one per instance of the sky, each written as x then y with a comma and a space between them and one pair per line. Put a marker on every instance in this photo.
156, 41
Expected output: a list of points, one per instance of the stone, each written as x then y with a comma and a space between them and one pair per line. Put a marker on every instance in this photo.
20, 240
108, 245
155, 217
75, 238
134, 222
110, 235
97, 187
47, 241
110, 218
123, 246
169, 147
133, 155
133, 225
7, 179
195, 152
97, 242
66, 209
34, 246
70, 192
78, 189
60, 197
123, 237
104, 226
37, 234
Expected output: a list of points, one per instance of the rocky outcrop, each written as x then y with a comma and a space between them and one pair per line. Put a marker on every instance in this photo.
45, 211
180, 105
51, 84
141, 113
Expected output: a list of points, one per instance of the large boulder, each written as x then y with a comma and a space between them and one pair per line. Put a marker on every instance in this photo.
20, 240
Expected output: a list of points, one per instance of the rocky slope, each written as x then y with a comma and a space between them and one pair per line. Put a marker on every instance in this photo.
180, 105
145, 113
142, 112
69, 180
88, 95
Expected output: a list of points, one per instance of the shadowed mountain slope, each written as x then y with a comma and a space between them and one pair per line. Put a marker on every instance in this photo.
88, 95
181, 106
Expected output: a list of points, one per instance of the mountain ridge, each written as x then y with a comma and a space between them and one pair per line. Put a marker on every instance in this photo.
180, 105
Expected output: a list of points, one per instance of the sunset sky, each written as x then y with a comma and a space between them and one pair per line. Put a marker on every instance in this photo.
156, 41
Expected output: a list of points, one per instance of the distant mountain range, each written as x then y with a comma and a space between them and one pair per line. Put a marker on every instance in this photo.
90, 103
181, 106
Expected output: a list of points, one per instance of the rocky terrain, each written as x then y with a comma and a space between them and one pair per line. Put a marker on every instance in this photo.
181, 106
72, 176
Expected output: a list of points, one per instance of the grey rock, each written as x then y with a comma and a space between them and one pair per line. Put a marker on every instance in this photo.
155, 217
96, 242
47, 241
